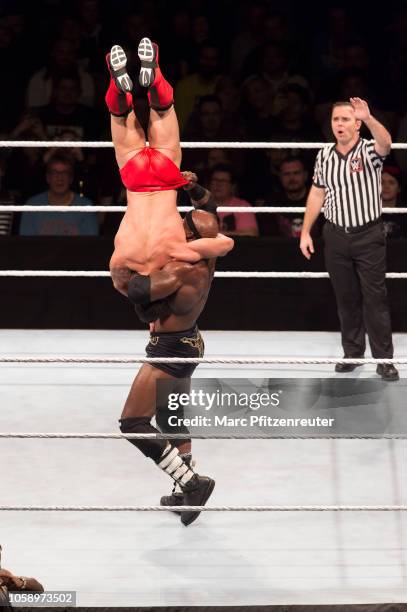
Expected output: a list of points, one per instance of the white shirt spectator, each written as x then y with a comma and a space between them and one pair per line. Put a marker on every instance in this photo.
40, 88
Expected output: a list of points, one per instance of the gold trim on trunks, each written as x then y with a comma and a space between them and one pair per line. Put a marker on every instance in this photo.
196, 342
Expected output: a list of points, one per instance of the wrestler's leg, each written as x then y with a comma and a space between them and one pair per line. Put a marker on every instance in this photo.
163, 129
128, 137
163, 134
179, 386
138, 410
127, 134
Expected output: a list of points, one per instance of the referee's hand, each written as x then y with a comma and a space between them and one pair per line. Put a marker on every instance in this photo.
307, 246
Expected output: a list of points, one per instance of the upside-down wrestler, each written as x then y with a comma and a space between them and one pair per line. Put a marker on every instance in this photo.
151, 232
171, 300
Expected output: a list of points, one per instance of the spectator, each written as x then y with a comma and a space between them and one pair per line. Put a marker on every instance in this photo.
356, 56
68, 28
200, 83
6, 199
59, 175
135, 27
92, 33
294, 121
257, 108
222, 184
273, 63
252, 36
200, 30
393, 86
9, 582
228, 93
86, 170
263, 183
210, 124
177, 50
395, 225
11, 106
62, 61
213, 158
329, 47
26, 162
293, 177
401, 155
65, 111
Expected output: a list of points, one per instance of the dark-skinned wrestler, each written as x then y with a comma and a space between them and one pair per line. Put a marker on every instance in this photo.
151, 232
171, 300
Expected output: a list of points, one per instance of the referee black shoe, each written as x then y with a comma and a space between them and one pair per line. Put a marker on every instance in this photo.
341, 368
387, 371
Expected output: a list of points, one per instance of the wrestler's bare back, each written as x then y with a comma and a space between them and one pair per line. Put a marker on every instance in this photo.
150, 228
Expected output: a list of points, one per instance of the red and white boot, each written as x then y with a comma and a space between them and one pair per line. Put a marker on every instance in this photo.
160, 93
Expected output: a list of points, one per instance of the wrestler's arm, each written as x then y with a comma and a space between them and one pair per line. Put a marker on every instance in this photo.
200, 196
158, 285
121, 278
203, 248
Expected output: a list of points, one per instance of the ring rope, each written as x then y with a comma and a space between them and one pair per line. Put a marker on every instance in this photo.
235, 209
229, 274
107, 144
203, 508
180, 436
217, 360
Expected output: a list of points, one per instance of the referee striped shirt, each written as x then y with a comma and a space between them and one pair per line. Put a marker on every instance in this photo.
352, 182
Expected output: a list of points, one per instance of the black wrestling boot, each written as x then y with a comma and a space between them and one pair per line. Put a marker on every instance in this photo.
177, 496
196, 493
175, 499
117, 63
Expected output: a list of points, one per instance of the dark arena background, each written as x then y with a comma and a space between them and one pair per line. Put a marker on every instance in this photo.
254, 82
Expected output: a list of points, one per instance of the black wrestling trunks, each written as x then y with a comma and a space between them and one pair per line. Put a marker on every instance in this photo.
188, 343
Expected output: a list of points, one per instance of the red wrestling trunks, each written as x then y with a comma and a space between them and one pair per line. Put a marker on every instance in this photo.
150, 170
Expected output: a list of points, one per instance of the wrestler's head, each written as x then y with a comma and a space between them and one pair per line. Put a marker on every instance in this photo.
200, 224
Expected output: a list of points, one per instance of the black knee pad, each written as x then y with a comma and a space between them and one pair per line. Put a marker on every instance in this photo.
162, 416
153, 448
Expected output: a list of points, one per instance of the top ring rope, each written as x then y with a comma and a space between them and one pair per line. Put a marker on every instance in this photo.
218, 274
107, 144
229, 209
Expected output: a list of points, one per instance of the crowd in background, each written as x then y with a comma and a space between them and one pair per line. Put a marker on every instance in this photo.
244, 71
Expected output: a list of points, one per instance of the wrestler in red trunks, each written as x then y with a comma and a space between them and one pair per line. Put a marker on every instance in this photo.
151, 232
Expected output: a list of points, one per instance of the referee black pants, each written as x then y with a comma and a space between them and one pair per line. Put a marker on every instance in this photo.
356, 263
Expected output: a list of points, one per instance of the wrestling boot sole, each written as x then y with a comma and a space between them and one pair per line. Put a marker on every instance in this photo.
117, 62
197, 497
148, 54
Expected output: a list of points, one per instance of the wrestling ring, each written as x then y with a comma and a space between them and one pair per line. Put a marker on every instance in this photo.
333, 528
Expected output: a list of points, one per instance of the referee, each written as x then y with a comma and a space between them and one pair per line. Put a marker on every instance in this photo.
347, 182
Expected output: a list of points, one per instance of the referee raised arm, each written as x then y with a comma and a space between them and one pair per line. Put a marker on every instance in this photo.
347, 183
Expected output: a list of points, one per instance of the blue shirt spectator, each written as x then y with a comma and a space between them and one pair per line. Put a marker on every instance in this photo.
59, 178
